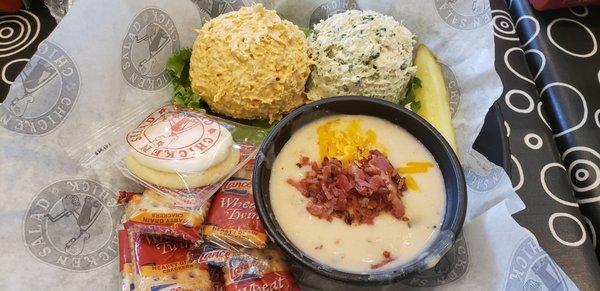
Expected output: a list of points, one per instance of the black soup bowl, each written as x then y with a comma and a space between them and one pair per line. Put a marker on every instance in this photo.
456, 198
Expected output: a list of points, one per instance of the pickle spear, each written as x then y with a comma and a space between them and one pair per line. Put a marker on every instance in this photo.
433, 94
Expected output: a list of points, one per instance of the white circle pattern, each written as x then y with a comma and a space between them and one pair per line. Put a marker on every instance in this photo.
582, 174
577, 164
547, 189
510, 67
592, 231
27, 32
585, 108
558, 238
513, 107
3, 73
594, 167
503, 25
541, 115
542, 65
551, 39
6, 32
537, 28
582, 14
520, 171
538, 141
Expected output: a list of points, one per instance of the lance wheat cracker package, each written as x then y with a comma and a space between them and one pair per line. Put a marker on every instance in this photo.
241, 272
125, 262
161, 263
157, 214
214, 255
217, 256
176, 152
232, 220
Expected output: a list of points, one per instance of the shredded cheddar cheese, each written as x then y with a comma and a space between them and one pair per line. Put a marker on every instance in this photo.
415, 168
412, 184
346, 143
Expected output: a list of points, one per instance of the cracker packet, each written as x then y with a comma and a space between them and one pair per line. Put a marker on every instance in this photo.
248, 269
161, 263
232, 220
155, 214
182, 154
212, 255
241, 273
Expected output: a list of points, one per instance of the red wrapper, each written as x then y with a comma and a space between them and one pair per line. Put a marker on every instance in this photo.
125, 262
281, 280
161, 263
263, 269
232, 219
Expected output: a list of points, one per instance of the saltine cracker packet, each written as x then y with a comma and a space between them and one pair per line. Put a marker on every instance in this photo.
153, 213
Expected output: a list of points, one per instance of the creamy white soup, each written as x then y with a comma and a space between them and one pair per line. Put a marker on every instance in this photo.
360, 247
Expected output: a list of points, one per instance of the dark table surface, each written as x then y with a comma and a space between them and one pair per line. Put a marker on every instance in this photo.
517, 134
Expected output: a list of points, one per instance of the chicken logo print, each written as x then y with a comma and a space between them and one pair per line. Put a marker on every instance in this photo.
176, 127
464, 14
212, 8
330, 8
481, 176
85, 215
171, 134
449, 269
71, 224
43, 94
32, 81
154, 39
452, 87
531, 269
151, 39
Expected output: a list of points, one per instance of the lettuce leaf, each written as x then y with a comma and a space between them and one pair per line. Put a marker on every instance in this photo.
410, 95
179, 69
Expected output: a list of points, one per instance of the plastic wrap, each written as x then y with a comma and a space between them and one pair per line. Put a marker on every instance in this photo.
181, 154
245, 172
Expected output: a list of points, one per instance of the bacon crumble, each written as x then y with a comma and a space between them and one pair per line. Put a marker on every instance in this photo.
356, 193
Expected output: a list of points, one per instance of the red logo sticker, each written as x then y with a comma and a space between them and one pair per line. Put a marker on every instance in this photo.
172, 134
